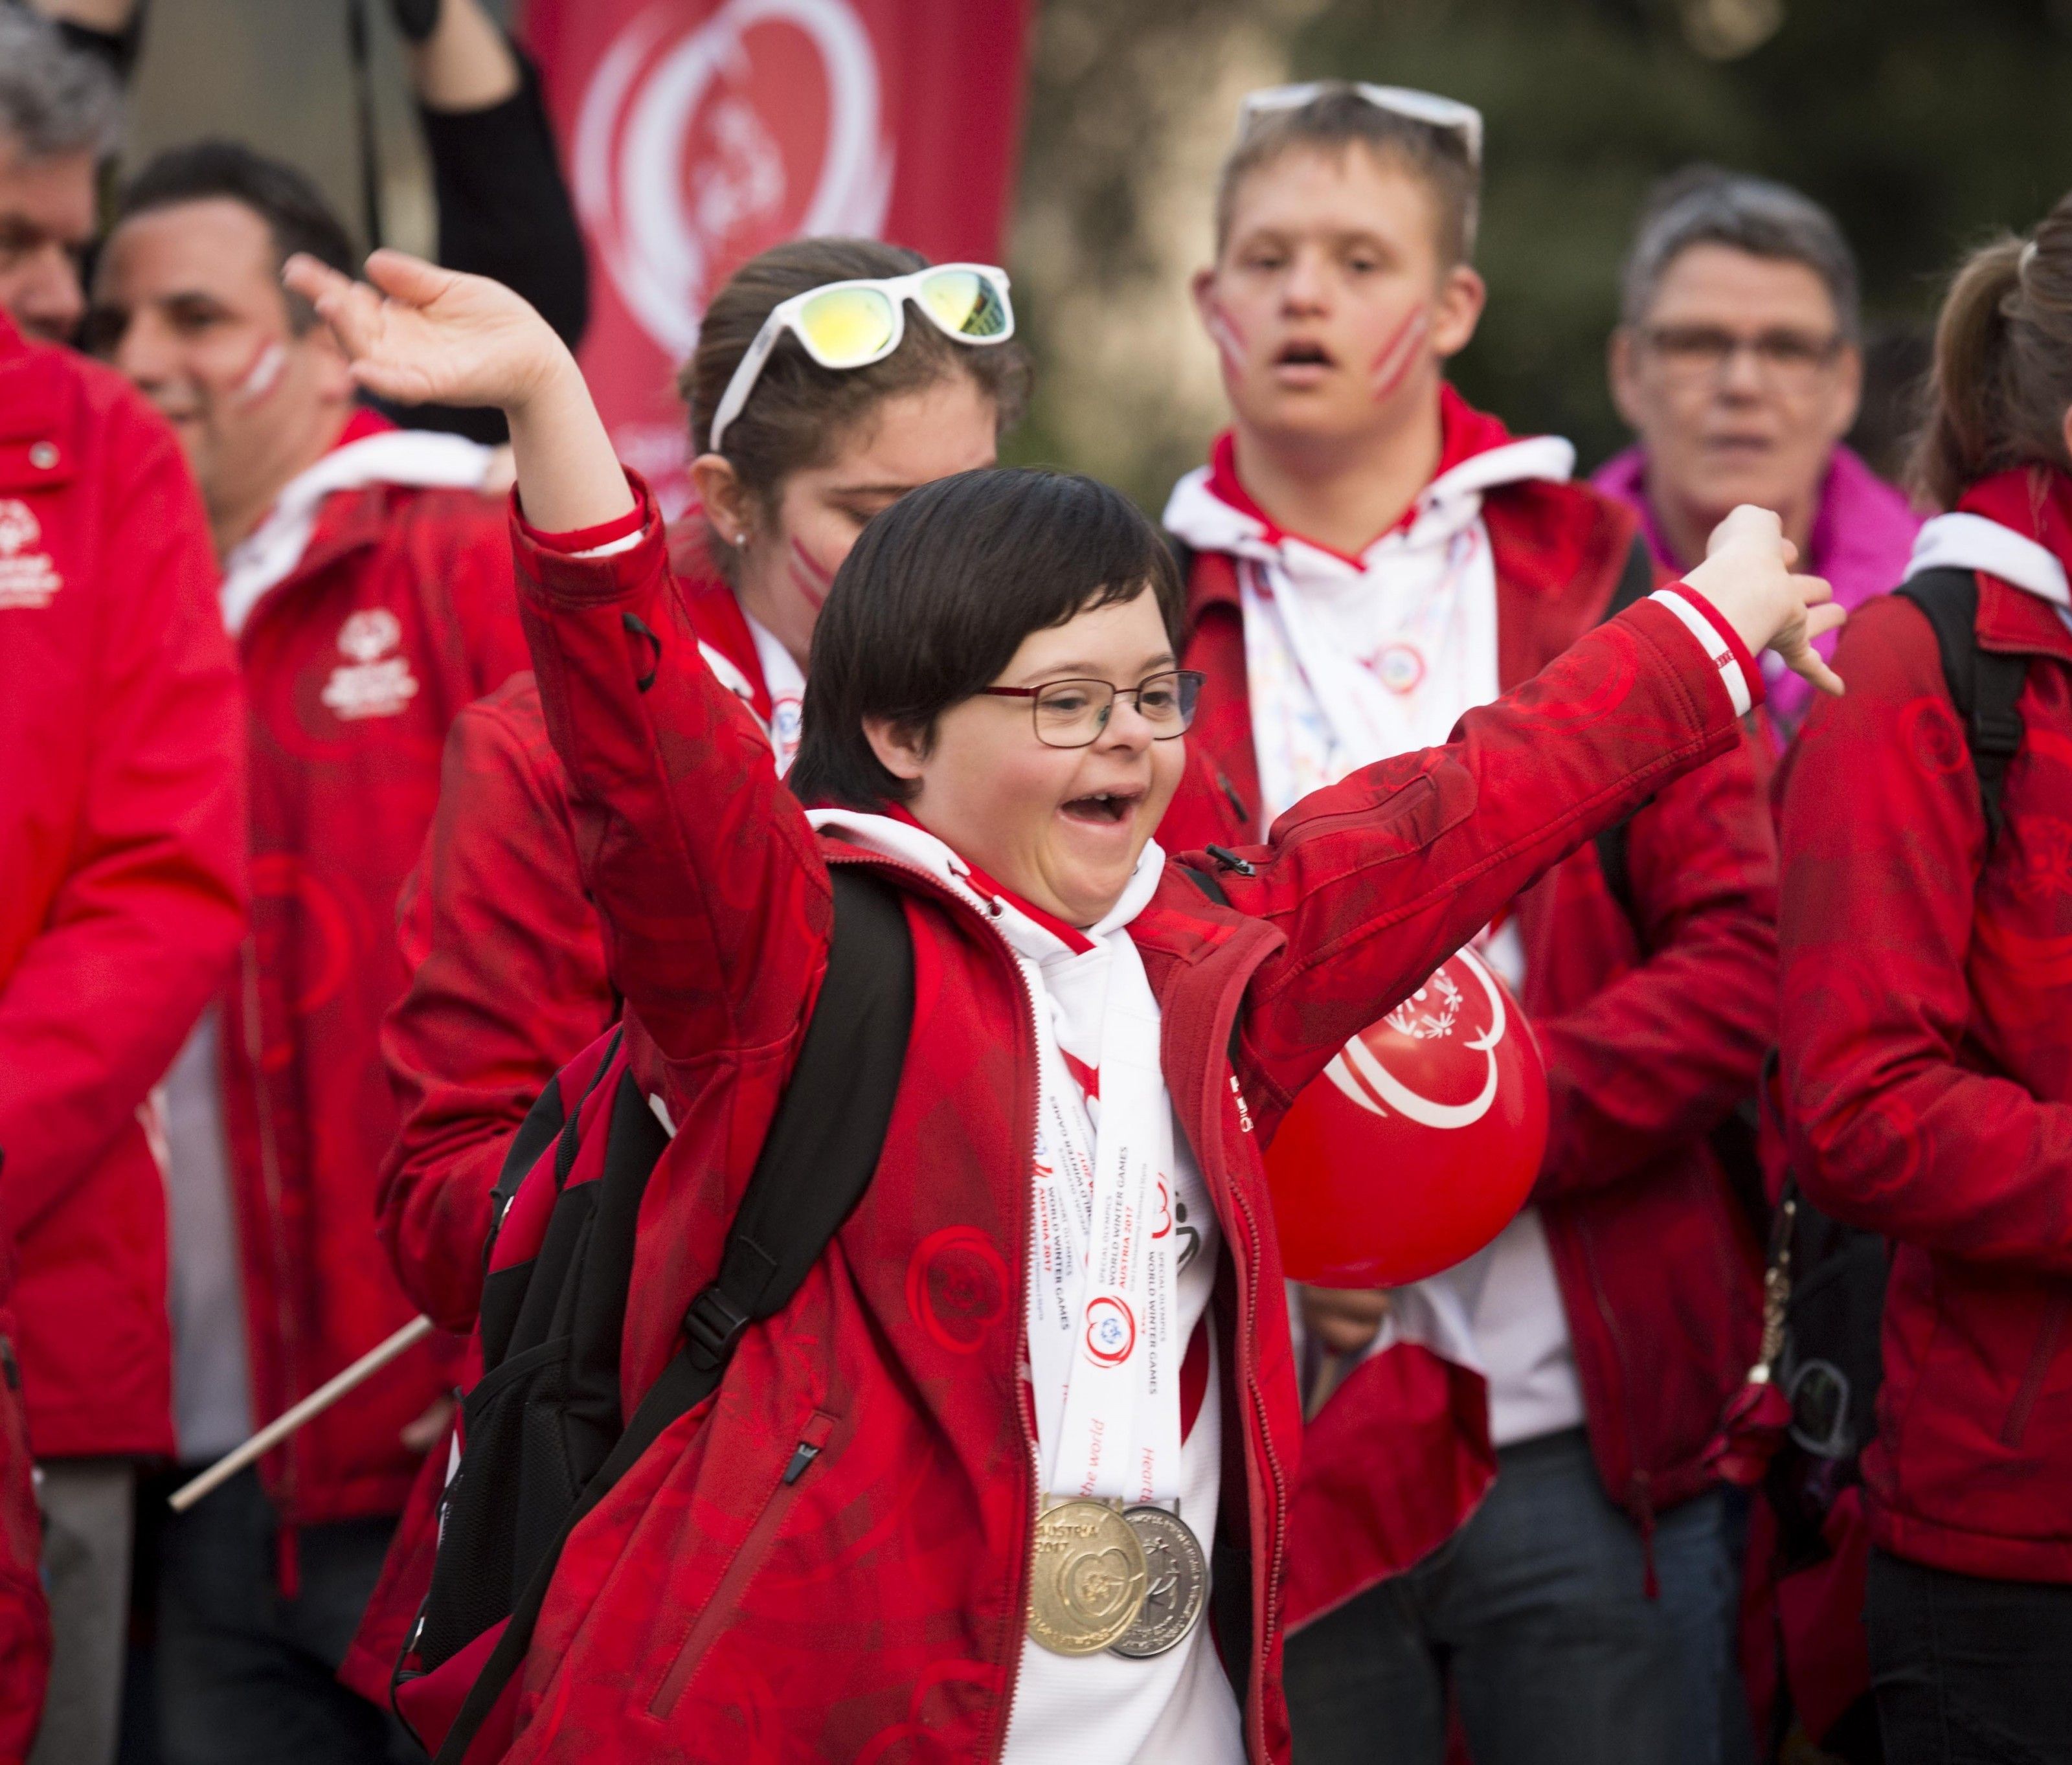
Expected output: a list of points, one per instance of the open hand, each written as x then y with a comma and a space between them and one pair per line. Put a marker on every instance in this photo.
1747, 576
421, 335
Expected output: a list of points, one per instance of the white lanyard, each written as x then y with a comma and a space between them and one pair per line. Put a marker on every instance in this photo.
1102, 1335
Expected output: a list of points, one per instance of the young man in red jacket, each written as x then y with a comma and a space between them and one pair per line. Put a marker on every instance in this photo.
1371, 558
122, 849
368, 585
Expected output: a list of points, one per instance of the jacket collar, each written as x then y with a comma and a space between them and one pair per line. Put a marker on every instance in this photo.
2015, 529
1211, 509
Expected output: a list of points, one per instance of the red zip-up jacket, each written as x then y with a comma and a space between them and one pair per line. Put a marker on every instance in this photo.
412, 587
507, 985
1652, 1033
1927, 1064
507, 980
874, 1606
122, 853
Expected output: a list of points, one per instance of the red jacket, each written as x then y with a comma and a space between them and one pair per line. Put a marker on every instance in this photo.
873, 1608
122, 846
507, 985
508, 978
1927, 1062
1648, 1046
400, 613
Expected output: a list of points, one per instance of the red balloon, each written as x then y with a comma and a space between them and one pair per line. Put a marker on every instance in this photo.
1419, 1143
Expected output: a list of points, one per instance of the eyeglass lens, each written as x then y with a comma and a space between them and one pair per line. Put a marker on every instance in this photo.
1696, 350
847, 326
1072, 714
964, 303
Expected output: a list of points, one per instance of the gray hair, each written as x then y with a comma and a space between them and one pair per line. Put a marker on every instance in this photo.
1703, 205
54, 99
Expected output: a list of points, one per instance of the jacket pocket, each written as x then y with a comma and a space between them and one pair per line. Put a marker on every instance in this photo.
747, 1558
2048, 1334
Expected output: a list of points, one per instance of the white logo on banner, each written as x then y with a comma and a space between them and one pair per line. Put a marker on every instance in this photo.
1430, 1014
663, 223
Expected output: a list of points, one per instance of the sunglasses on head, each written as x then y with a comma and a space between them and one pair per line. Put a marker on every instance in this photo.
852, 324
1449, 115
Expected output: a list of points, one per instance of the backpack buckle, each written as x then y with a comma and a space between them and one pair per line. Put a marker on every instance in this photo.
1997, 733
714, 1324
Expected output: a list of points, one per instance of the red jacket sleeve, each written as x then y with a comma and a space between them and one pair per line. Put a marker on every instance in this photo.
1883, 837
508, 983
1662, 1056
715, 899
149, 917
1377, 879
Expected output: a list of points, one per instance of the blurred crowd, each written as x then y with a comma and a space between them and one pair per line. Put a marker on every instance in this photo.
294, 931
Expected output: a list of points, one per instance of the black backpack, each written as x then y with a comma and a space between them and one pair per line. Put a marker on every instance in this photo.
542, 1438
1825, 1288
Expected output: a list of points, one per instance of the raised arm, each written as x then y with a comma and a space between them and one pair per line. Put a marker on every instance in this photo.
1378, 879
715, 901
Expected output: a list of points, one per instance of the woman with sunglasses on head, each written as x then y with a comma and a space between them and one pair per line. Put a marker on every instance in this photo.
992, 726
1926, 1048
814, 404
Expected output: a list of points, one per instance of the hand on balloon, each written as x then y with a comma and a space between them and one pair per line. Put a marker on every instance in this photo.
1345, 1321
1747, 576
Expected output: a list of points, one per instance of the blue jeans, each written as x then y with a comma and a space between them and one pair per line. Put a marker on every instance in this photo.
1535, 1616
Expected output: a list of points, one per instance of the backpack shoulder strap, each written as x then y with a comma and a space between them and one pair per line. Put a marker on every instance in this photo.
1636, 582
815, 1163
1983, 686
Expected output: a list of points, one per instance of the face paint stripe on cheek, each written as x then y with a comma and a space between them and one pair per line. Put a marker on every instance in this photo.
1393, 366
262, 377
810, 577
1226, 334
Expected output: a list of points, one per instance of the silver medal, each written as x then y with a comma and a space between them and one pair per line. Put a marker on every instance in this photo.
1177, 1588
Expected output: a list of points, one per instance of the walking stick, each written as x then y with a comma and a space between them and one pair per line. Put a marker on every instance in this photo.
314, 1404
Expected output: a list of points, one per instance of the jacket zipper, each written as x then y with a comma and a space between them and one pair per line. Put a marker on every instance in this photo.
1247, 1375
1023, 1406
253, 1040
747, 1558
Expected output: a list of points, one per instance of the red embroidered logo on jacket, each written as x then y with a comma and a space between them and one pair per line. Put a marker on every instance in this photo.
28, 579
371, 682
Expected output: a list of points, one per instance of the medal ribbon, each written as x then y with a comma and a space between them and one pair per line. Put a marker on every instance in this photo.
1102, 1347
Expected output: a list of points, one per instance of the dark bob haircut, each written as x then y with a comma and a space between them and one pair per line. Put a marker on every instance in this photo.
937, 595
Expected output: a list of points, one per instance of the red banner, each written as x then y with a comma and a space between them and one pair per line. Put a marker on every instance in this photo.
697, 132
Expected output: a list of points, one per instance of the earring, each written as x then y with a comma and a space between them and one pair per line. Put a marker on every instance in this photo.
740, 539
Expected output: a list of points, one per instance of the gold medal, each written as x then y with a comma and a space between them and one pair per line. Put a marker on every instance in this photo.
1086, 1583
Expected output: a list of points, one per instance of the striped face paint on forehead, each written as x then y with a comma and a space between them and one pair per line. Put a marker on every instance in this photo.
809, 576
1392, 363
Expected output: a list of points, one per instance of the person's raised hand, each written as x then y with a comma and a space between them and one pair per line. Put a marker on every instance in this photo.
1748, 577
421, 335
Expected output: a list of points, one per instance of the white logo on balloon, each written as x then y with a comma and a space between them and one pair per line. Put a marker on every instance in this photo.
1356, 1072
658, 246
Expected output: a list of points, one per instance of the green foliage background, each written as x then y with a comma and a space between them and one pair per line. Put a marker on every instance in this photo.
1925, 125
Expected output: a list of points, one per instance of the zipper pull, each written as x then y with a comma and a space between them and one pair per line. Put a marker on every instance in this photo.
806, 1453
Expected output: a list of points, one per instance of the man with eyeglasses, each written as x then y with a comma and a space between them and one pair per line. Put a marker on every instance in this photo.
1736, 363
